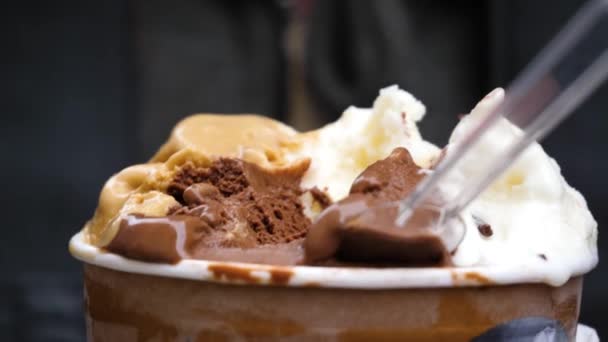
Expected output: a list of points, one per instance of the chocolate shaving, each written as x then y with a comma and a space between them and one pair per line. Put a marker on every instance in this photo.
320, 197
484, 228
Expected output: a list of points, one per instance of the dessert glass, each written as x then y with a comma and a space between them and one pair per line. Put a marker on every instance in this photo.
198, 300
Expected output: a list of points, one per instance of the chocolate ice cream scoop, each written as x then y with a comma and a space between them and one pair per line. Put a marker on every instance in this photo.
362, 226
230, 210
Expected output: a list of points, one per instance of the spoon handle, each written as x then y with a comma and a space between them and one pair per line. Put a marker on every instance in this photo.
562, 76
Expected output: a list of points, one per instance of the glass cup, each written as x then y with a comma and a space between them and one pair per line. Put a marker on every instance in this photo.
197, 300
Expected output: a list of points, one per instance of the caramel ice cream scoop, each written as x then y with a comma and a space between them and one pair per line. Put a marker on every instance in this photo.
254, 138
195, 141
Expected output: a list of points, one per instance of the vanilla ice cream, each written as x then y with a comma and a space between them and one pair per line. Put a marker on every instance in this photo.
537, 220
341, 150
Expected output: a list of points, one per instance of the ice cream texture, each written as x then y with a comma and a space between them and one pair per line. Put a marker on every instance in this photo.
257, 188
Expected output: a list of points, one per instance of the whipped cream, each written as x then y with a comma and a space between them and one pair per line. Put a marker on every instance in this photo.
537, 221
341, 150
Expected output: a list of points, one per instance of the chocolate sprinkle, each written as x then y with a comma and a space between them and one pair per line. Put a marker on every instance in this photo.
542, 256
484, 228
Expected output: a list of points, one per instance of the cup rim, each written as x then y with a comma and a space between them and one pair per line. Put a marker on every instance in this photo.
239, 273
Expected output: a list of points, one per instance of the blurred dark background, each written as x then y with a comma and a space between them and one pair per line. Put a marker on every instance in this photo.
91, 87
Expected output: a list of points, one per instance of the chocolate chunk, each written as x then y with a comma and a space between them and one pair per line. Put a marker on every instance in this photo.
389, 179
321, 197
542, 256
483, 228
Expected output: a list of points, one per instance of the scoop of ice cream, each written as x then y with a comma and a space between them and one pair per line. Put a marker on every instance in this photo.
250, 137
228, 210
362, 227
195, 141
341, 150
530, 216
